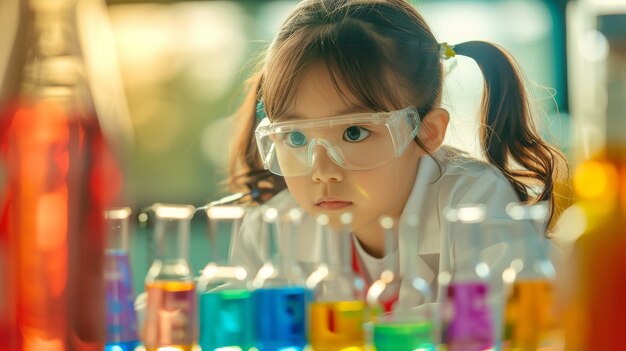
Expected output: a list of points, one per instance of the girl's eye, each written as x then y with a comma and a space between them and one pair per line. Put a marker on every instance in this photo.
296, 139
355, 133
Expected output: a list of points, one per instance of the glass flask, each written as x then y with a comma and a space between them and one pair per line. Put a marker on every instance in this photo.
404, 326
59, 176
226, 305
338, 311
280, 296
170, 321
466, 313
530, 321
121, 319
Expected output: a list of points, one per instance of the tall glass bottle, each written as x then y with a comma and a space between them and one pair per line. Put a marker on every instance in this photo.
405, 326
596, 314
338, 314
60, 177
466, 315
226, 306
530, 321
280, 297
170, 320
120, 296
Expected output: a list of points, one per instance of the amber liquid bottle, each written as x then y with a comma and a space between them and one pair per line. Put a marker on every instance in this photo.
59, 178
595, 317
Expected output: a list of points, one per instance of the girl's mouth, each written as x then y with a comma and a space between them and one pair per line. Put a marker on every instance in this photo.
332, 204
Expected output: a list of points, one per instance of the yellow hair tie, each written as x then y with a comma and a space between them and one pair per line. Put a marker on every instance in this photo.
446, 51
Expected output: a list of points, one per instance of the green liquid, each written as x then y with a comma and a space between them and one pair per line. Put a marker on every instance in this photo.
400, 336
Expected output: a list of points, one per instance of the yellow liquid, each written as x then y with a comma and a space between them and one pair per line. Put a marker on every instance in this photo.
529, 317
337, 326
170, 320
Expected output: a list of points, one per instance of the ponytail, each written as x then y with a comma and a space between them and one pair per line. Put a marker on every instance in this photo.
508, 135
245, 169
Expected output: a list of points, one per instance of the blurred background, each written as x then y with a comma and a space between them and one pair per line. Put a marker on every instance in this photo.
182, 65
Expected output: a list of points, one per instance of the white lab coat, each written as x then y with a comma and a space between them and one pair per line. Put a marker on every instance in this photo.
460, 180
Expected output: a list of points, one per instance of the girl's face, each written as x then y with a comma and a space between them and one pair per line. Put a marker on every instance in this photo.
333, 190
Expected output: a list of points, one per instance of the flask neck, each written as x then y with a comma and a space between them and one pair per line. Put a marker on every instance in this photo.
53, 65
338, 252
117, 236
469, 266
171, 240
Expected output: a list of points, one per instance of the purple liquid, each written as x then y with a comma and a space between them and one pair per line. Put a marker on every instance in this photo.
121, 319
467, 317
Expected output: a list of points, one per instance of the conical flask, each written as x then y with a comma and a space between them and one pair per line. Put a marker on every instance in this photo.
408, 324
338, 311
530, 320
280, 297
466, 313
170, 320
226, 306
60, 178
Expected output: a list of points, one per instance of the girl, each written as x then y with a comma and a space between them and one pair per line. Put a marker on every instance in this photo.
344, 116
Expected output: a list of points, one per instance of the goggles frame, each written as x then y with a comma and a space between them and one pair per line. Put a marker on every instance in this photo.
388, 119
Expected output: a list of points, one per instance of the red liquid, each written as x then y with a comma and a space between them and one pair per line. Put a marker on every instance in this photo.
598, 320
60, 177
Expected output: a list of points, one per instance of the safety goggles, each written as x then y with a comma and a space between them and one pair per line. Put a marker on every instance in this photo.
354, 142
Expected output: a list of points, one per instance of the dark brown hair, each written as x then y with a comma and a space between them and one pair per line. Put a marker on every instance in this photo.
387, 57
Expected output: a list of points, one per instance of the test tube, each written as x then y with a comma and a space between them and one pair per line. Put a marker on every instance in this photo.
121, 318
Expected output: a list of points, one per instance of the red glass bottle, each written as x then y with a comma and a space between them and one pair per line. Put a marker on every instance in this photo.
59, 177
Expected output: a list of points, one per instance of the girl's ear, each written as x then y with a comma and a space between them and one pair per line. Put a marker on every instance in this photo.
433, 128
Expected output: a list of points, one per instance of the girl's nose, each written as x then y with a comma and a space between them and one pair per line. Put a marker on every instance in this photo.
324, 167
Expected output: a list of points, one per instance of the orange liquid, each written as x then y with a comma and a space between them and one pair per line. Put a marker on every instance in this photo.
529, 317
170, 320
337, 326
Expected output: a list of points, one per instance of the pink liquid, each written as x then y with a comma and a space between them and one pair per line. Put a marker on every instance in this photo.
467, 317
171, 316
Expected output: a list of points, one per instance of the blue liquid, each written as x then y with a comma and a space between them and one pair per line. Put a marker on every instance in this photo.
121, 322
121, 346
226, 319
281, 318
